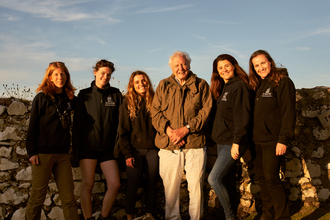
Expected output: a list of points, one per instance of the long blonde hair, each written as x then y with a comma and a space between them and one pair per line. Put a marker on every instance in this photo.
48, 87
134, 99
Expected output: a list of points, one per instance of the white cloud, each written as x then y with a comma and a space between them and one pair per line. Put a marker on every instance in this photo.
163, 9
56, 10
302, 48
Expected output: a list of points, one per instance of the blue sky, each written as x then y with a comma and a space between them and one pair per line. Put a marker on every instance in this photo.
142, 34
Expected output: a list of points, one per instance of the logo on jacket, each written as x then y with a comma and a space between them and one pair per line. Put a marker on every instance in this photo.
267, 93
110, 102
224, 97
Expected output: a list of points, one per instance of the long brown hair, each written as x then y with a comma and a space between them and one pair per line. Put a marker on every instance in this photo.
48, 87
276, 73
217, 82
134, 99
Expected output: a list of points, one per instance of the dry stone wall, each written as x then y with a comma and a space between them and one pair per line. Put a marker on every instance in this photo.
305, 170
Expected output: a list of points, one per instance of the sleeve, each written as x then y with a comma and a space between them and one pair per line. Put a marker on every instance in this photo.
198, 122
286, 95
125, 131
33, 130
241, 105
159, 121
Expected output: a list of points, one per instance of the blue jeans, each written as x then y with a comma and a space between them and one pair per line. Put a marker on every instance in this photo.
223, 179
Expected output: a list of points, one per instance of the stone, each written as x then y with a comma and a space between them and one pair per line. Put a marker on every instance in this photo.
294, 194
313, 168
120, 214
2, 109
254, 188
8, 165
76, 173
245, 203
24, 174
99, 187
9, 133
296, 151
48, 200
53, 186
19, 214
316, 182
294, 181
11, 197
25, 185
323, 195
311, 192
4, 176
21, 151
77, 188
56, 213
2, 122
3, 186
17, 108
318, 153
2, 212
321, 134
303, 180
293, 168
57, 200
5, 152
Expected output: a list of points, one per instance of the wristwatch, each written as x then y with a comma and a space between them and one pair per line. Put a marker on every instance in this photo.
187, 126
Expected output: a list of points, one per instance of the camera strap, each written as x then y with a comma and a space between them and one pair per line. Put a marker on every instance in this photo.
54, 102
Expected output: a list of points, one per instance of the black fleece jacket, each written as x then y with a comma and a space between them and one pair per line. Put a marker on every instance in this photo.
96, 119
46, 134
274, 112
139, 133
233, 114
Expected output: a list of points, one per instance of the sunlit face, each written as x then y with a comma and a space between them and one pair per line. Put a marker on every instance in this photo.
225, 70
180, 68
140, 84
261, 65
102, 77
59, 78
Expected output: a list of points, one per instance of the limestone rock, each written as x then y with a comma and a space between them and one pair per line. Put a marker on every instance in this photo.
48, 200
4, 176
76, 173
2, 109
25, 185
293, 168
321, 134
323, 195
99, 187
3, 186
8, 165
17, 108
313, 168
120, 214
53, 186
296, 151
57, 200
294, 194
19, 214
25, 174
56, 213
5, 152
21, 151
318, 153
12, 197
311, 192
9, 133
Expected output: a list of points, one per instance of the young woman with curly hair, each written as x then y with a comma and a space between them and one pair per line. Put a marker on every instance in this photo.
136, 140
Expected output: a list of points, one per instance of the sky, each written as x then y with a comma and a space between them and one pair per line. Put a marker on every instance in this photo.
142, 34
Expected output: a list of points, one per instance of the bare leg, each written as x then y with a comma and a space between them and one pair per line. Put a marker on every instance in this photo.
111, 172
129, 217
87, 168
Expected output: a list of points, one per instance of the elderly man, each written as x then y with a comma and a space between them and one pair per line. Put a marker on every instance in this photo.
180, 109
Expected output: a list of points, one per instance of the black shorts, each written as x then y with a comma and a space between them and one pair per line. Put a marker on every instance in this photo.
100, 156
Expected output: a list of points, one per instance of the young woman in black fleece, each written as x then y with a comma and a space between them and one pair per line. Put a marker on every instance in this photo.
229, 86
274, 123
94, 134
48, 141
136, 140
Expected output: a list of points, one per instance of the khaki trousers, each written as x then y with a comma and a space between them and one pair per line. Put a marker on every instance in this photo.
60, 166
